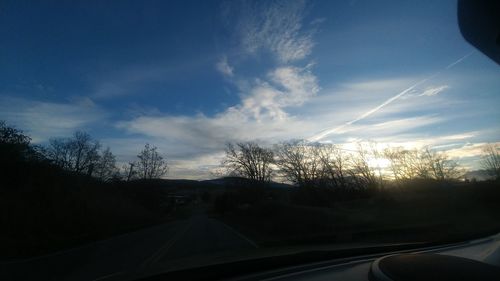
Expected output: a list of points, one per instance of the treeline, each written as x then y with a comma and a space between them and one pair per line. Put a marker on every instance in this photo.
328, 165
300, 162
83, 155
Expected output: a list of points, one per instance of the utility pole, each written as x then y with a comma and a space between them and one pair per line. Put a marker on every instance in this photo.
130, 170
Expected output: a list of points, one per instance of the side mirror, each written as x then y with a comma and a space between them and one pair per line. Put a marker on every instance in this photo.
479, 22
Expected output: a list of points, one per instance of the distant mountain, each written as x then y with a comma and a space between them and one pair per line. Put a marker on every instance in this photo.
239, 181
479, 175
169, 183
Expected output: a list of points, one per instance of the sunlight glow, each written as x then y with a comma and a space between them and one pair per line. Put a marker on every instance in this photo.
382, 163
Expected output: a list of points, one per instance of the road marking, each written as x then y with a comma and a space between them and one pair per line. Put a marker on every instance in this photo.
155, 257
239, 234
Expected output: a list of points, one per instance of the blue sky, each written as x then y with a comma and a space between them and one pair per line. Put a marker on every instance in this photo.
189, 76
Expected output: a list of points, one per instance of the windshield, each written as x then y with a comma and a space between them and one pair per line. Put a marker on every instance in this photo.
140, 135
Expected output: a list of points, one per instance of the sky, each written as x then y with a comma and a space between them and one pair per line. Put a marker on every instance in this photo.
190, 76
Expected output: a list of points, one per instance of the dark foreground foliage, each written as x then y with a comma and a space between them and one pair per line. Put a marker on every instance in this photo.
422, 210
44, 208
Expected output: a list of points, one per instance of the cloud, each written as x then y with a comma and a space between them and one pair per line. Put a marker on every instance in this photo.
264, 114
283, 103
273, 26
285, 87
432, 91
333, 130
42, 120
261, 28
467, 150
401, 94
223, 67
261, 115
392, 127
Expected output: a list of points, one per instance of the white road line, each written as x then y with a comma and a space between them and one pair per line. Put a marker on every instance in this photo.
158, 254
240, 235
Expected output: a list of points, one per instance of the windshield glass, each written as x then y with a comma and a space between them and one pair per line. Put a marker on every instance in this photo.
140, 135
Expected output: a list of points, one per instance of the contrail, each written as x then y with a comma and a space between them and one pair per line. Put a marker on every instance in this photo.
326, 132
459, 60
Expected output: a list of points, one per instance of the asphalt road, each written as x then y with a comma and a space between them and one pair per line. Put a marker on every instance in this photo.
167, 244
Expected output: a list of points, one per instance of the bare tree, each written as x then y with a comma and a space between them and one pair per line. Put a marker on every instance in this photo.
59, 152
105, 168
440, 167
406, 164
490, 160
249, 160
85, 152
151, 164
334, 163
361, 171
421, 164
299, 162
79, 153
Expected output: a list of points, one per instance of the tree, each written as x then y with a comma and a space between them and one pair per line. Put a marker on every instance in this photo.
85, 152
14, 144
151, 164
79, 153
440, 167
360, 169
249, 160
299, 162
59, 152
12, 135
421, 164
105, 168
490, 160
334, 165
406, 164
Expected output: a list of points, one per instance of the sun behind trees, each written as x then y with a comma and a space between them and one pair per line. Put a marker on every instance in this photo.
328, 165
422, 163
299, 162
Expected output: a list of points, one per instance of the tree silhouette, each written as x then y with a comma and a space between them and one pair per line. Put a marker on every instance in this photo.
151, 164
491, 160
105, 168
299, 162
79, 153
249, 160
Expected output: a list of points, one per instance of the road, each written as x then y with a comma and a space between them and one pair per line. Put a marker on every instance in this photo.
168, 244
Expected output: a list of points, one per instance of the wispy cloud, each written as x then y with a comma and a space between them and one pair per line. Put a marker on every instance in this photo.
223, 67
273, 26
327, 132
432, 91
411, 88
468, 150
285, 87
43, 120
265, 114
262, 28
